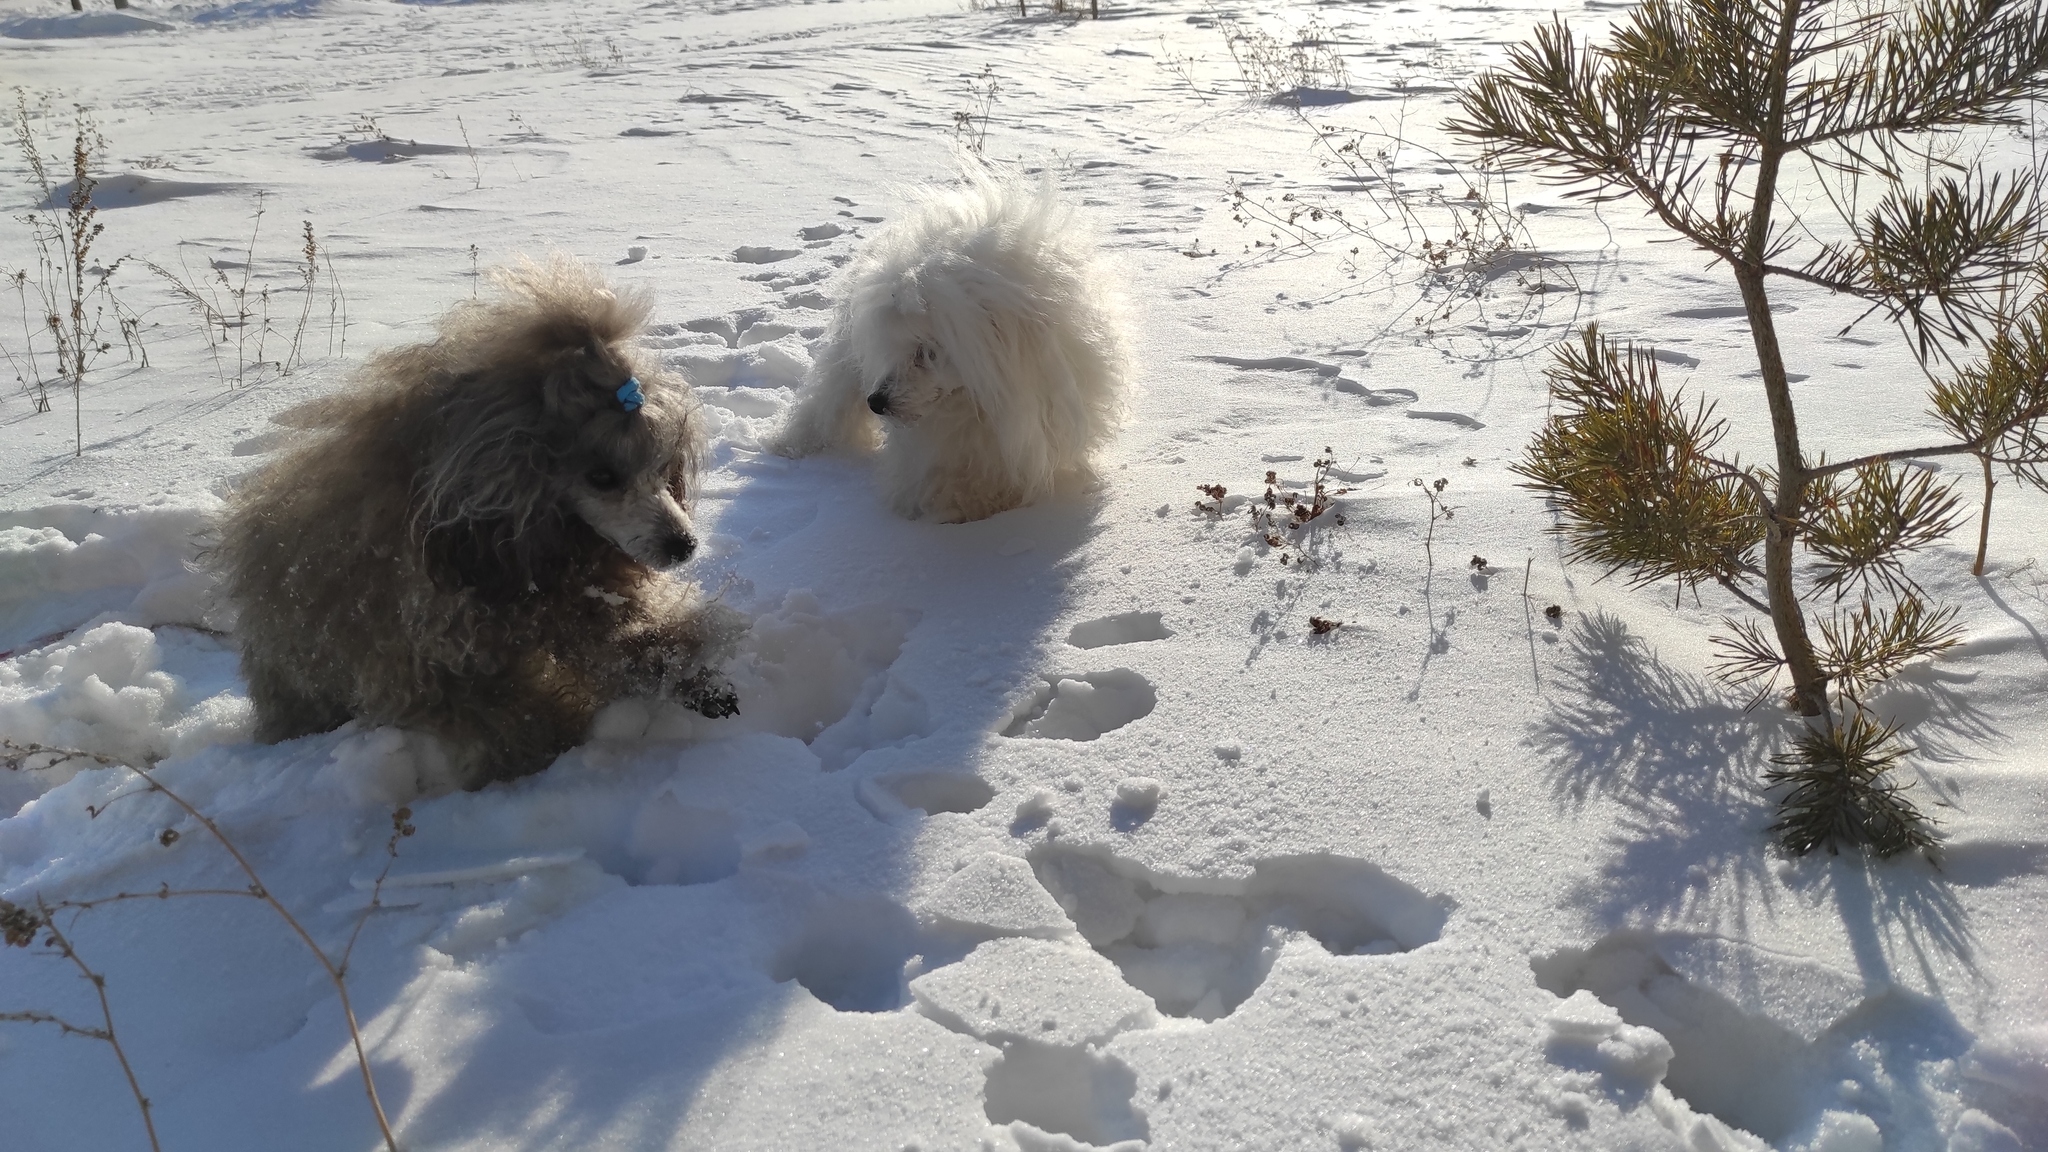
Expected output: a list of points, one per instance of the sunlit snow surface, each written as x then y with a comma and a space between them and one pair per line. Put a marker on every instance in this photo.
1062, 829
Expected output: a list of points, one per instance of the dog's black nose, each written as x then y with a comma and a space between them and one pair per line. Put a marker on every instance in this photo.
878, 402
679, 548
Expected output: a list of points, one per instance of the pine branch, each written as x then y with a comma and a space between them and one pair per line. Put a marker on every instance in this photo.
1949, 64
1861, 532
1860, 648
1747, 657
1840, 794
1743, 594
1631, 472
1932, 255
1561, 105
2001, 403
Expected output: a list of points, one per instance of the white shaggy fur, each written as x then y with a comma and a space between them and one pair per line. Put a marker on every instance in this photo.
978, 339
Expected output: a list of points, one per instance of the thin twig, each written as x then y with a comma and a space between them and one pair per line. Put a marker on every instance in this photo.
1978, 446
68, 1027
334, 973
99, 986
401, 827
164, 893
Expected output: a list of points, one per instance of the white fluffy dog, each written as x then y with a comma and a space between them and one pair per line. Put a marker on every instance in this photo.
979, 340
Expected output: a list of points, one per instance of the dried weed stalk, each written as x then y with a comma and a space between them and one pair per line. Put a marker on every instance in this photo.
74, 293
1281, 516
23, 925
235, 310
970, 124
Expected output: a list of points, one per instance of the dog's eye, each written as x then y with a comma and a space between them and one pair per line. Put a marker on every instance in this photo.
923, 357
602, 479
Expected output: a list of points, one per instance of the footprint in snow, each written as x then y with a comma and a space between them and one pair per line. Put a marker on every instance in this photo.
762, 254
1083, 707
1201, 953
1122, 628
1374, 397
892, 796
1458, 418
383, 150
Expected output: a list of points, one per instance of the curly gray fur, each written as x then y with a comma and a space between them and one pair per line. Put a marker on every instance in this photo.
466, 541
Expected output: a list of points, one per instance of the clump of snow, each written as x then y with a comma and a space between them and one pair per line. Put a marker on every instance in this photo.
996, 894
66, 566
387, 766
1633, 1055
1036, 807
1846, 1132
1609, 1059
1139, 793
123, 692
2016, 1060
1742, 1062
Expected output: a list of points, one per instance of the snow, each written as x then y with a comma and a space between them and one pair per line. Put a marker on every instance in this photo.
1057, 831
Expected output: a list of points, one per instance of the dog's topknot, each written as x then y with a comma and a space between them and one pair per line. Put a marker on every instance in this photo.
541, 307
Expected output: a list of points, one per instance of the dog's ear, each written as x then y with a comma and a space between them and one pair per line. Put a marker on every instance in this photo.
499, 560
1012, 379
577, 377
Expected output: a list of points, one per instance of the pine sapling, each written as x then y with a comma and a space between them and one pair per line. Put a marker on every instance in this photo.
1695, 108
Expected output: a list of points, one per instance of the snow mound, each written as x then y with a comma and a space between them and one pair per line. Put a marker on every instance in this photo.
122, 692
66, 566
131, 189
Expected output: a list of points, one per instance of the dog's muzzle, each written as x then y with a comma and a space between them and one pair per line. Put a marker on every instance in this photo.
878, 402
678, 548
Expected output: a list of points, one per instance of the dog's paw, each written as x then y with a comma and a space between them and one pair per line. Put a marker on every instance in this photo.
715, 700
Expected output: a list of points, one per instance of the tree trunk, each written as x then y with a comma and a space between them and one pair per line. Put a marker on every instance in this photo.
1984, 523
1809, 684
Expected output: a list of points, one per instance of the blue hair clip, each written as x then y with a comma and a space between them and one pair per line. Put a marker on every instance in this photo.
629, 395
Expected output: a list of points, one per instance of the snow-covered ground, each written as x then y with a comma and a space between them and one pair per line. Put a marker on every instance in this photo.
1061, 829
